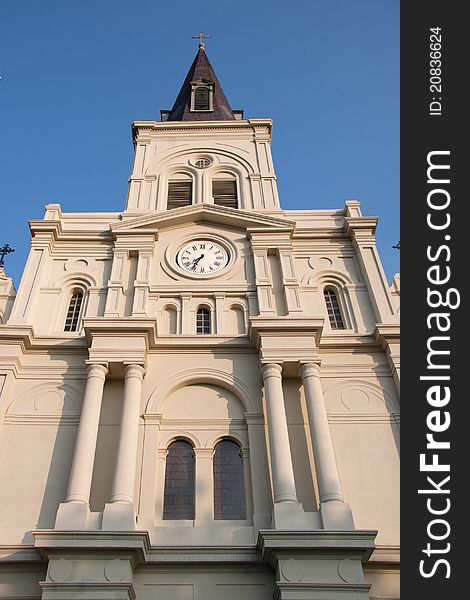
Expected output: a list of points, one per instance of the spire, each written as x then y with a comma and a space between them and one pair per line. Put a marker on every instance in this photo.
201, 84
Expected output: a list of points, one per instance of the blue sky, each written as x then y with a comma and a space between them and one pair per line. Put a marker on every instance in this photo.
76, 74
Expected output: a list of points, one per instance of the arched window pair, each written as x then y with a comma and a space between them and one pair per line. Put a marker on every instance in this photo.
228, 481
224, 192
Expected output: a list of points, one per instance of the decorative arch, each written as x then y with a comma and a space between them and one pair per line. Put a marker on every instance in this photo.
202, 376
57, 399
373, 398
162, 159
186, 436
235, 436
336, 278
79, 278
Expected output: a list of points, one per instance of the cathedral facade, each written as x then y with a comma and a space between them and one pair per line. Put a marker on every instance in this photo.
199, 395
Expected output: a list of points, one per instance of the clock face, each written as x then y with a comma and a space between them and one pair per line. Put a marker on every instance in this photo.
202, 257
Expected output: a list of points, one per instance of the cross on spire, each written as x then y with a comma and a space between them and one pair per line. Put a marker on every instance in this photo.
201, 37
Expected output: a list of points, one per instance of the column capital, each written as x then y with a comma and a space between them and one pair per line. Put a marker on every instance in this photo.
271, 370
310, 369
204, 452
245, 452
134, 370
97, 370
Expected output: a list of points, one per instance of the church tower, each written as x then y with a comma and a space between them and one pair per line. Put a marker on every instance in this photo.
199, 394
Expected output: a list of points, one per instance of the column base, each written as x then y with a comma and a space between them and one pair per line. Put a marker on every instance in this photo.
76, 515
288, 515
119, 516
337, 516
318, 564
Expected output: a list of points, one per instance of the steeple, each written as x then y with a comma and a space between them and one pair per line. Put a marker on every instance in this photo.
201, 97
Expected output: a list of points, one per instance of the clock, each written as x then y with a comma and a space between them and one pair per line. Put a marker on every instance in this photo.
202, 257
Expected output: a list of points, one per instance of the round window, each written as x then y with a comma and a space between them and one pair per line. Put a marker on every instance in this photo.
202, 163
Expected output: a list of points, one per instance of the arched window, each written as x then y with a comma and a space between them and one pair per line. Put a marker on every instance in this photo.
203, 321
224, 192
333, 308
180, 192
229, 485
178, 502
72, 319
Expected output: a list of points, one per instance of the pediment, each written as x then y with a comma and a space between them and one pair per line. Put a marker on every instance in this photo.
198, 213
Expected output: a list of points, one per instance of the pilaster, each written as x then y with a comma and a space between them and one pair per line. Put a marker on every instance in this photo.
204, 489
388, 337
362, 233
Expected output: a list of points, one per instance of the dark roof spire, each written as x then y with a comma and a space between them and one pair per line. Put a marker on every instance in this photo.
201, 72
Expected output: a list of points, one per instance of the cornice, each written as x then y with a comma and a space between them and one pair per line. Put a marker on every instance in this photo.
28, 340
197, 213
273, 542
136, 546
143, 131
361, 228
55, 231
385, 333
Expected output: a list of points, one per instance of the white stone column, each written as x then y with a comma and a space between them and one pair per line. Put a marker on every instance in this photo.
84, 455
124, 475
281, 459
120, 513
325, 462
335, 513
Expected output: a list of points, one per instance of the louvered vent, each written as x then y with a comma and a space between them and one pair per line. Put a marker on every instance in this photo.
180, 193
201, 98
224, 192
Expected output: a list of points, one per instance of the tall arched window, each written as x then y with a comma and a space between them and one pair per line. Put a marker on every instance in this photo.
72, 320
203, 321
178, 502
333, 308
229, 485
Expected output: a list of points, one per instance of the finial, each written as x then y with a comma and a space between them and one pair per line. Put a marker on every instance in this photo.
6, 249
201, 37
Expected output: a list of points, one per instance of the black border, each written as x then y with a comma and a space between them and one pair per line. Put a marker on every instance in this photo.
422, 133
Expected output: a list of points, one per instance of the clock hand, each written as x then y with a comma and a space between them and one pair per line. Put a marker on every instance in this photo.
195, 261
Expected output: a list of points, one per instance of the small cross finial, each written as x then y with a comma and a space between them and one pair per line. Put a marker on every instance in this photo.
6, 249
201, 37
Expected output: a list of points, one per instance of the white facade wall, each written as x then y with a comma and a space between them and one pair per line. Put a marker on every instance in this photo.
267, 310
